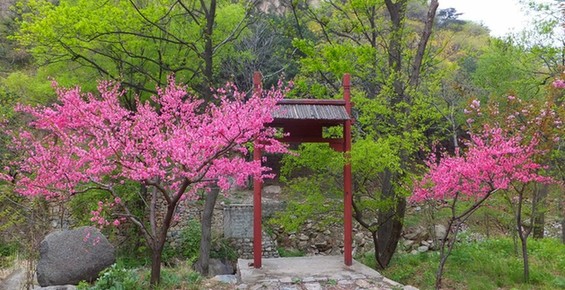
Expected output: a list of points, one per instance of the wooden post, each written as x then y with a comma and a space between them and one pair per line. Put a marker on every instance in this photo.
257, 186
347, 190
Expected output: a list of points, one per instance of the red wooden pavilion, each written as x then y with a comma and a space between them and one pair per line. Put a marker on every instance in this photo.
304, 120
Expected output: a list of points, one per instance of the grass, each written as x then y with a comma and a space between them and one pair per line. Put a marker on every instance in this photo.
121, 276
491, 264
290, 252
7, 255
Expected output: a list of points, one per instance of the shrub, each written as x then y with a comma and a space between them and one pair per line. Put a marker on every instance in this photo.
190, 240
116, 278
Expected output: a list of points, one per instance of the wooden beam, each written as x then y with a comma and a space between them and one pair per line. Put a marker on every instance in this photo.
311, 102
291, 139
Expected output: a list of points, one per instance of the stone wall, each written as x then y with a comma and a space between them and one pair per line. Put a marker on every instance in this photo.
238, 221
238, 228
244, 247
319, 238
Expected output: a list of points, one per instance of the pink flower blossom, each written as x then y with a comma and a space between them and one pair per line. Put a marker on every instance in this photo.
185, 144
493, 161
475, 104
559, 84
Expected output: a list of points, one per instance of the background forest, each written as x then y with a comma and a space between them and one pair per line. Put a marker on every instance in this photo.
426, 86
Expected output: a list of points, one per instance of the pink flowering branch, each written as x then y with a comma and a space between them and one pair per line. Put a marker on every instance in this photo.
494, 161
177, 145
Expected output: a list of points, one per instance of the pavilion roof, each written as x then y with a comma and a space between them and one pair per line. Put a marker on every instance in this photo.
311, 109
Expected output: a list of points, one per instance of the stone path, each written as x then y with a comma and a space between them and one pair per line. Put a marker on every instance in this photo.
312, 273
329, 284
13, 281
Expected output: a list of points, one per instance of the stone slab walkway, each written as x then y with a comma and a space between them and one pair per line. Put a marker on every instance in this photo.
311, 273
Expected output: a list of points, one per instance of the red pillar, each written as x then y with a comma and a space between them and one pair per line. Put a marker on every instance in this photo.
257, 243
257, 184
347, 187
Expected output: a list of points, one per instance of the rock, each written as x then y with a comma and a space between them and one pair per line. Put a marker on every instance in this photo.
362, 283
58, 287
440, 232
272, 190
409, 287
228, 279
423, 249
286, 280
287, 287
417, 234
359, 238
408, 244
220, 267
70, 256
303, 237
313, 286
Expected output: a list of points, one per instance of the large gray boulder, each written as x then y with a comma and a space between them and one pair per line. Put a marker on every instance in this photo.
70, 256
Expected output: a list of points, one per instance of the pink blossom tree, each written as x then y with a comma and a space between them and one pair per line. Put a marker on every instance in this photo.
176, 147
494, 161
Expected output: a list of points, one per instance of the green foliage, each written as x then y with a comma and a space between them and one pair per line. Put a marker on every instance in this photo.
116, 278
121, 276
490, 264
8, 249
507, 68
190, 240
290, 252
221, 249
7, 253
315, 195
139, 44
82, 205
189, 245
315, 180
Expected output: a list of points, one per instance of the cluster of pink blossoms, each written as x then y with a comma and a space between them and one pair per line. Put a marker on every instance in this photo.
493, 161
178, 143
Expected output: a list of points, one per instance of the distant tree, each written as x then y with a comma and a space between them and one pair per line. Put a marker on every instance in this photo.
448, 16
176, 148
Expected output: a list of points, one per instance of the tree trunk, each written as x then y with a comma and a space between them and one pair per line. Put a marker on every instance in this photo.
562, 210
539, 217
441, 265
446, 245
156, 265
389, 233
563, 230
208, 53
160, 234
524, 240
203, 264
523, 234
390, 223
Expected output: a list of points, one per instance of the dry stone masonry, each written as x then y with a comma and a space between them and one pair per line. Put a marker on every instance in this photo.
238, 229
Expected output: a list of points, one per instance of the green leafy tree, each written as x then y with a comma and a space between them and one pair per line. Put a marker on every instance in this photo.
385, 47
138, 43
